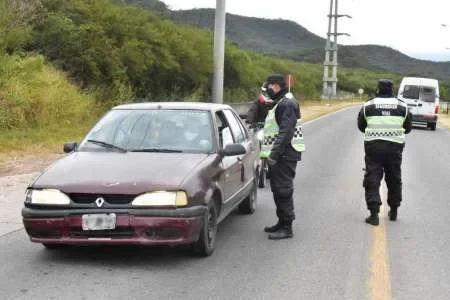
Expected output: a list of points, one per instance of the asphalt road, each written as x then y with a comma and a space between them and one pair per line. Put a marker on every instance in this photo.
333, 255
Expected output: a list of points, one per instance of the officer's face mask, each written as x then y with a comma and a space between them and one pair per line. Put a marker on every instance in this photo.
270, 91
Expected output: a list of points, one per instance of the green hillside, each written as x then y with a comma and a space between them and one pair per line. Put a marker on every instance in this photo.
288, 39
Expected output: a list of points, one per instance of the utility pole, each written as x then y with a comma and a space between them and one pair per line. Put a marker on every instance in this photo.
219, 51
331, 53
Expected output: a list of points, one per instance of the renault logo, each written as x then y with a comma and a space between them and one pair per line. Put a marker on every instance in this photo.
99, 201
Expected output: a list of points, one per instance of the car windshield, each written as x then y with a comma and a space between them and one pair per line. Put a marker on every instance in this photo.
168, 131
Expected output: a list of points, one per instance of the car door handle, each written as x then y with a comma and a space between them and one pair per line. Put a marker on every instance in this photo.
420, 104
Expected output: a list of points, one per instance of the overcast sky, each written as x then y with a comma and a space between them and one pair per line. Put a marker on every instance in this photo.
413, 27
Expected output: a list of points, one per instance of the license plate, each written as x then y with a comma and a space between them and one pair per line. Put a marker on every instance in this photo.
98, 221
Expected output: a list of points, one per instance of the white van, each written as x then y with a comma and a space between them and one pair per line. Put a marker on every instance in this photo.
422, 97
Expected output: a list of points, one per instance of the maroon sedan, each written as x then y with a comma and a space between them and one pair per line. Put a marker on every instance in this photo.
148, 173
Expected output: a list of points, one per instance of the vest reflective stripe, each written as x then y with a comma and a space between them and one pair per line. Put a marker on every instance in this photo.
388, 128
271, 130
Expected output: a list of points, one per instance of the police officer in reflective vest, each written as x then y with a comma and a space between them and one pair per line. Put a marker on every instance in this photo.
282, 147
384, 120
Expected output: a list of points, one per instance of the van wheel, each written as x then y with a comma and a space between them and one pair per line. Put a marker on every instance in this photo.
432, 126
206, 242
248, 205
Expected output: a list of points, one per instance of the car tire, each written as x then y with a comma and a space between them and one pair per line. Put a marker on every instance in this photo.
262, 176
206, 242
248, 205
53, 246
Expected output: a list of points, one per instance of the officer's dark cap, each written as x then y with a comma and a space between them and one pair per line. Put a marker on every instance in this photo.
384, 84
278, 79
385, 87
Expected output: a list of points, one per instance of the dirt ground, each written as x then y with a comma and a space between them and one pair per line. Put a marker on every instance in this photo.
444, 120
27, 164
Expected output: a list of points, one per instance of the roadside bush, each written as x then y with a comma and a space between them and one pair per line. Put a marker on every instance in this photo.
36, 95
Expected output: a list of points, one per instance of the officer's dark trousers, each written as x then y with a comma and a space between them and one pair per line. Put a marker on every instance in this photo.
383, 157
282, 185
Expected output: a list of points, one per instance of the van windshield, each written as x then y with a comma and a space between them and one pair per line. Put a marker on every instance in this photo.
424, 93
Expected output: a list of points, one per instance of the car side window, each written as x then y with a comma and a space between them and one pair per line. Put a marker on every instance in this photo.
225, 134
243, 128
236, 129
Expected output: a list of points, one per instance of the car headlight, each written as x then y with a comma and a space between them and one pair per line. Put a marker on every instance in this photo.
46, 197
161, 198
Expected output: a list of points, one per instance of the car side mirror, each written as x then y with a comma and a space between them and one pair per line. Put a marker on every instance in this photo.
70, 147
233, 149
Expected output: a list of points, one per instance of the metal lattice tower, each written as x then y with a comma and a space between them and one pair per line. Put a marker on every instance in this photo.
331, 53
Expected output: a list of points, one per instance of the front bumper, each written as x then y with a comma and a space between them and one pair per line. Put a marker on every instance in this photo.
133, 226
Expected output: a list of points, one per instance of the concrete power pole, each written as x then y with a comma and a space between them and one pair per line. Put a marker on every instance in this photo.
331, 53
219, 51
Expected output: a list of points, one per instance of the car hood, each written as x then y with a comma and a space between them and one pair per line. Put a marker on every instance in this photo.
119, 173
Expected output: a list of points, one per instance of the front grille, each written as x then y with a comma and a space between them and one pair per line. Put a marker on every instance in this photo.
109, 198
163, 233
118, 232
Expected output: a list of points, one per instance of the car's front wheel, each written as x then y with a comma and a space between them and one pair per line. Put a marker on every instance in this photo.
206, 242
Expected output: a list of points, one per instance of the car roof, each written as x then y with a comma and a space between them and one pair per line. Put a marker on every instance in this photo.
173, 105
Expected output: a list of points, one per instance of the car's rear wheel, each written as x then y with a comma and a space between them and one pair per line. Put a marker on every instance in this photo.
53, 246
262, 174
248, 205
206, 242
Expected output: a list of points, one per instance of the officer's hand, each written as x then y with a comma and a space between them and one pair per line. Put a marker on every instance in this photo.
271, 161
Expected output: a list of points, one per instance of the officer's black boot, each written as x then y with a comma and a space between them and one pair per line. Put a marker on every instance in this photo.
283, 232
373, 218
273, 228
393, 214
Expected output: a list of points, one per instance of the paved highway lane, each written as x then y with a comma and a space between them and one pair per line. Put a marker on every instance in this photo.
333, 255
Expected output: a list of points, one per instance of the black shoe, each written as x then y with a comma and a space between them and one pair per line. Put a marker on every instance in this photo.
271, 229
282, 233
373, 219
393, 214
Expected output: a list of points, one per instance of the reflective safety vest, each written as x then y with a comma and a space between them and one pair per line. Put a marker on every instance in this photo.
385, 118
271, 130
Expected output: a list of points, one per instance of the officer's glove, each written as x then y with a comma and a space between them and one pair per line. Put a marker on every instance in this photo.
271, 162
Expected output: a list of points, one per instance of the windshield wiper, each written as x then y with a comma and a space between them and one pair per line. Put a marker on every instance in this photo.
160, 150
107, 145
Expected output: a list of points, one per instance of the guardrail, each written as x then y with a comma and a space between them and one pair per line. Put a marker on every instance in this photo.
241, 108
